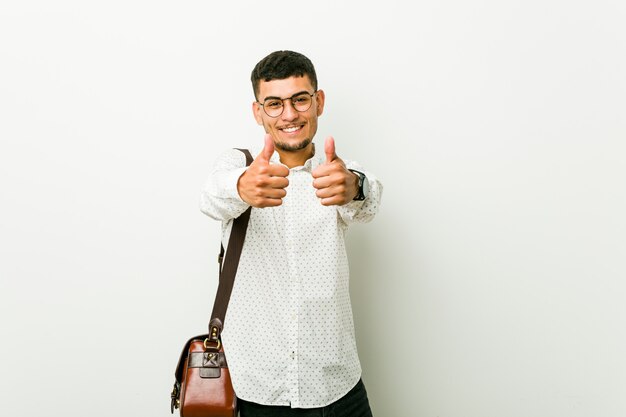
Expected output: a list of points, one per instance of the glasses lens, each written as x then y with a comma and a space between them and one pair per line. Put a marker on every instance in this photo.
302, 102
273, 107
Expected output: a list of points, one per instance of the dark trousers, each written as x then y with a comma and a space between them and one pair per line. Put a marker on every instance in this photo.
353, 404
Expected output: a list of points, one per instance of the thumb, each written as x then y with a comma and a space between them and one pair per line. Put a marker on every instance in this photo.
329, 149
268, 149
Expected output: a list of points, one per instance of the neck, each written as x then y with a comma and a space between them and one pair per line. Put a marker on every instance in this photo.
296, 158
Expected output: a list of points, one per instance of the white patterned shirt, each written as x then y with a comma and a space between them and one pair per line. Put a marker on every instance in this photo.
288, 331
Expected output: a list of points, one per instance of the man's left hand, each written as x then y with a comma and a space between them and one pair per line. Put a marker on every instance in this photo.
334, 183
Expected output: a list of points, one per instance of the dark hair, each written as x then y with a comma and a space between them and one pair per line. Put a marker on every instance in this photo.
280, 65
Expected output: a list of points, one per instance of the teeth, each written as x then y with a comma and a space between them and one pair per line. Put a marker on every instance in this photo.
291, 129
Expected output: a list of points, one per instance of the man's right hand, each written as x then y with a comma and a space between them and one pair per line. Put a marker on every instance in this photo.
263, 184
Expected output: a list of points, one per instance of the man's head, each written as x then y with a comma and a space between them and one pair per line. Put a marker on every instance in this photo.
288, 102
280, 65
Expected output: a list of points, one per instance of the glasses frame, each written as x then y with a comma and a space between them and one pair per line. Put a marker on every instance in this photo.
291, 100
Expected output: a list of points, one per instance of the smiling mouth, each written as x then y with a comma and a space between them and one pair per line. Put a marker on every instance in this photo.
291, 129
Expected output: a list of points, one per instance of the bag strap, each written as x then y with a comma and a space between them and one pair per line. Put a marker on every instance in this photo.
228, 269
227, 278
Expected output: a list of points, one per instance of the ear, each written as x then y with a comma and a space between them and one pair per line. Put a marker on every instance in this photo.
320, 102
256, 111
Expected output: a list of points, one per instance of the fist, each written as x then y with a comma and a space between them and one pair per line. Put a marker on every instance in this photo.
263, 184
334, 184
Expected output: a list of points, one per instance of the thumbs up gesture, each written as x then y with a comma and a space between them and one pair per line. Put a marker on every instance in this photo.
263, 184
335, 185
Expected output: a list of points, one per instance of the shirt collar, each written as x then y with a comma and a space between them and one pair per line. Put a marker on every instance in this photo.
310, 164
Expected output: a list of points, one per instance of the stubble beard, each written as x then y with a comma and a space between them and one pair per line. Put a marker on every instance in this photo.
293, 148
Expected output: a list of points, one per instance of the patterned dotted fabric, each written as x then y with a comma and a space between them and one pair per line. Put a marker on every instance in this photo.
288, 331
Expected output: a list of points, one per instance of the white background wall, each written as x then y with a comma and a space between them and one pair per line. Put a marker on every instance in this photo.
490, 284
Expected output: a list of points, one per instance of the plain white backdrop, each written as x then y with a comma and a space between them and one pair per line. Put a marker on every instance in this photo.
492, 281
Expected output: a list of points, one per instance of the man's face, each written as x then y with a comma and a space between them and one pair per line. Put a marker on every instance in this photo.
292, 130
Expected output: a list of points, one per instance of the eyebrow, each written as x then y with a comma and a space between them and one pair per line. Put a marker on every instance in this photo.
278, 98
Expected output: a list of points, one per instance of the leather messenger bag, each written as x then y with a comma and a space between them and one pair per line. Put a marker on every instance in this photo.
203, 387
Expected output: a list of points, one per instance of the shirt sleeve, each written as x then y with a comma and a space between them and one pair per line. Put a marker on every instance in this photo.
219, 198
365, 210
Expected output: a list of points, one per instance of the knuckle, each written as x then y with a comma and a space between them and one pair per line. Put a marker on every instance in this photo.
260, 182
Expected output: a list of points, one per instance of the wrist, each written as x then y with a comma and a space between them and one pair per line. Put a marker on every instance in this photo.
241, 188
362, 185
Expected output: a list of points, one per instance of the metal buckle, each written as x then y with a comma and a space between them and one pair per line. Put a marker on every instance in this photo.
207, 341
175, 400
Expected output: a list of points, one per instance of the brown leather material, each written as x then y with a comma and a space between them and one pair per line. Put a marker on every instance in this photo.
183, 356
207, 360
229, 269
215, 329
202, 397
210, 372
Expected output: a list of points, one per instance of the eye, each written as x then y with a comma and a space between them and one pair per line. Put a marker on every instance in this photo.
301, 99
273, 104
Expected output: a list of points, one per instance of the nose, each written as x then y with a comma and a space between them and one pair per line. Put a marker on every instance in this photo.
289, 112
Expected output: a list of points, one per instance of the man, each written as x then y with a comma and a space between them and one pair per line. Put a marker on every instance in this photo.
288, 331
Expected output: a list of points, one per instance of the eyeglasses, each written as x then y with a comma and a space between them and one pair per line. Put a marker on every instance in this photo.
274, 106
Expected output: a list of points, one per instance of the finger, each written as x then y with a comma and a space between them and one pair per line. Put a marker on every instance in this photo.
268, 149
274, 193
327, 192
322, 182
277, 182
276, 170
322, 171
270, 202
329, 149
264, 181
332, 201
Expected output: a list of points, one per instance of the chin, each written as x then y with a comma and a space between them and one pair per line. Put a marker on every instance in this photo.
292, 147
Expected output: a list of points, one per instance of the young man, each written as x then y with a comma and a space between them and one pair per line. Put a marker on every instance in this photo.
288, 331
